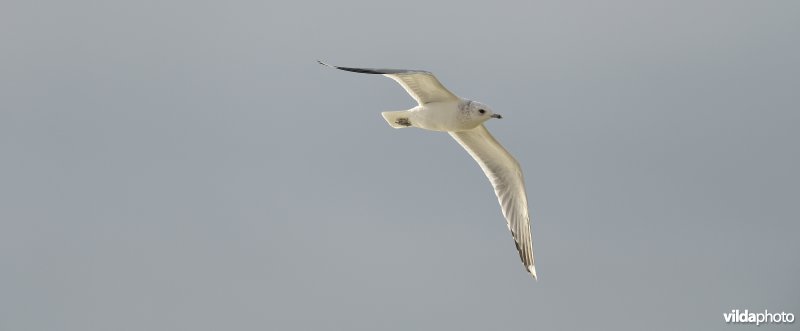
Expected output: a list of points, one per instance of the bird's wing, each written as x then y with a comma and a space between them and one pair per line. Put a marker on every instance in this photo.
509, 185
421, 85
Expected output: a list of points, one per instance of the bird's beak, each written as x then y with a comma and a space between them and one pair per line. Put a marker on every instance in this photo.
496, 116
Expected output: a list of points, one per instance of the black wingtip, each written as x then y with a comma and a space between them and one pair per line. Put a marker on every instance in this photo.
327, 65
370, 70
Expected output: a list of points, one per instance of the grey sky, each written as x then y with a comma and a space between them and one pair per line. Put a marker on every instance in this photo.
177, 165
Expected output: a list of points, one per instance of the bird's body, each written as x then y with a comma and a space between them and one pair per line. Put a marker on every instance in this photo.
436, 116
444, 116
440, 110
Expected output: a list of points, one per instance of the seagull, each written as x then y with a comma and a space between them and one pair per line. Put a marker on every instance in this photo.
441, 110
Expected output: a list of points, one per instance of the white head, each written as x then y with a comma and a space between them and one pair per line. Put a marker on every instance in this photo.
473, 113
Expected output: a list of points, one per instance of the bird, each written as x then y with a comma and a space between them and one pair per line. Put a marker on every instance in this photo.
439, 109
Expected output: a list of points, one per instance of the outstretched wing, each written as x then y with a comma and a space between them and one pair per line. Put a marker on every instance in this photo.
421, 85
509, 185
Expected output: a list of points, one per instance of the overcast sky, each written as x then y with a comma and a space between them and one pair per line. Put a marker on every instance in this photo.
185, 165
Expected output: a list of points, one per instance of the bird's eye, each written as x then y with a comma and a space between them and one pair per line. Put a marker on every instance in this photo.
481, 111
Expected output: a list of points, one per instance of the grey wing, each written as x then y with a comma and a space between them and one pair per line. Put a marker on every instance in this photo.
506, 176
421, 85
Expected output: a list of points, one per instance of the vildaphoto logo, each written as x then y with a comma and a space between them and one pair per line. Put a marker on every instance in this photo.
736, 316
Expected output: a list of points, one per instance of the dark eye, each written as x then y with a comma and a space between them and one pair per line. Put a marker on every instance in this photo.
481, 111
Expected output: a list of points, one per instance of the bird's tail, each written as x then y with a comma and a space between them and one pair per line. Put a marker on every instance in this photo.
398, 119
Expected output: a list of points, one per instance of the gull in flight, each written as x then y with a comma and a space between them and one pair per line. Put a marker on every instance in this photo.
441, 110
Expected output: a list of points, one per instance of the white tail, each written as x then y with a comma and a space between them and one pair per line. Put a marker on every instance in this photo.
397, 119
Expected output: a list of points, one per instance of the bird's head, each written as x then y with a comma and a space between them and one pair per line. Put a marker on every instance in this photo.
475, 113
